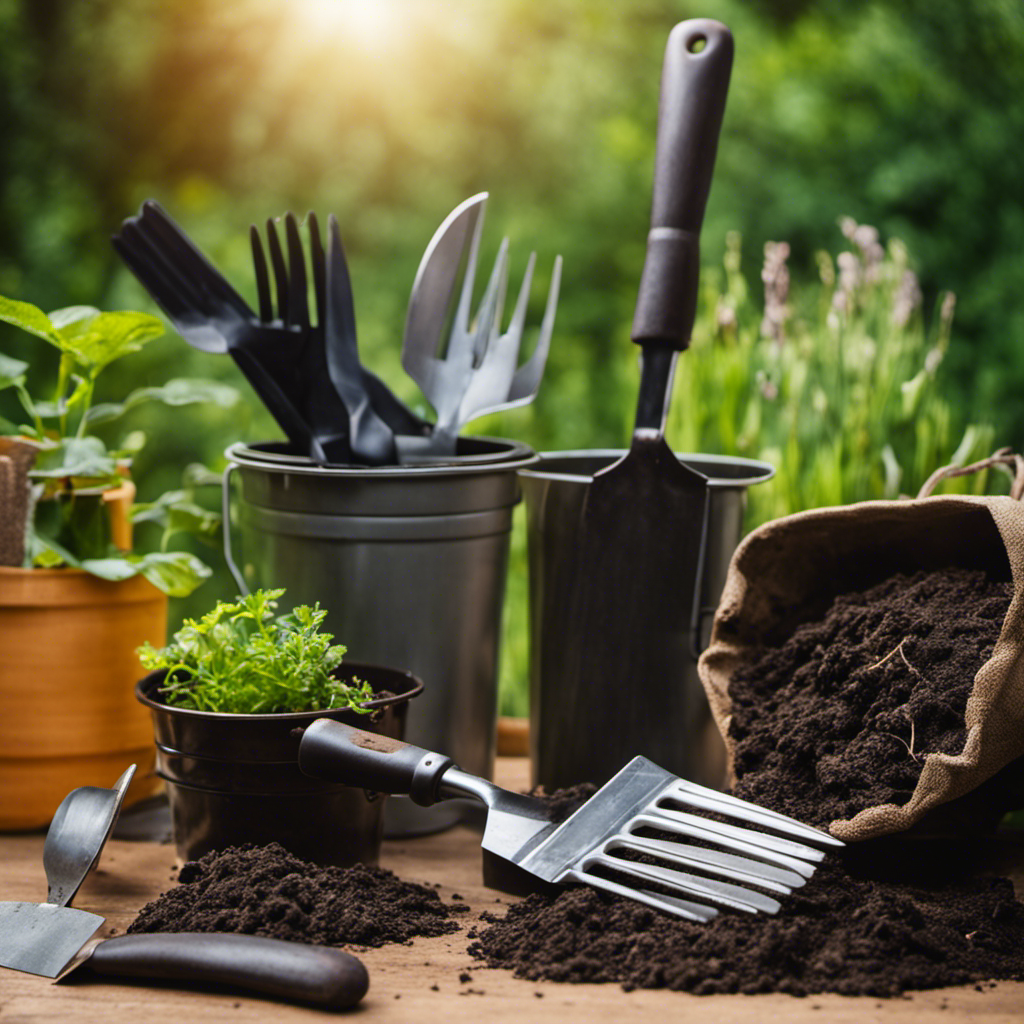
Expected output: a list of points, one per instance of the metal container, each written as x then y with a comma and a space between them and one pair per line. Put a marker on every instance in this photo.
410, 563
234, 778
669, 721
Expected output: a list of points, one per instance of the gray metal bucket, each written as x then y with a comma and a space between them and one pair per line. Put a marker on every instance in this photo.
569, 745
410, 563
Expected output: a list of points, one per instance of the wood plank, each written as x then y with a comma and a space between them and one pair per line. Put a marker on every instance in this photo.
422, 981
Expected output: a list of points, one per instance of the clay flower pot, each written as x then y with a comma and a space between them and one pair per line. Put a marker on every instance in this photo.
234, 778
67, 668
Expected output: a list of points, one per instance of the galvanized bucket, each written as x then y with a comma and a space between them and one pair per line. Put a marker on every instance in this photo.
410, 562
573, 744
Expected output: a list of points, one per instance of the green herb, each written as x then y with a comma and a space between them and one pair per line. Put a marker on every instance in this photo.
242, 659
71, 467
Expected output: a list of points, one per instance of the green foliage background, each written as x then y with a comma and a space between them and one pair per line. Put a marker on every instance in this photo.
904, 114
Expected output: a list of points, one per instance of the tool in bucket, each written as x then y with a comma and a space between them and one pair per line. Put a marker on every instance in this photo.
644, 519
54, 939
525, 846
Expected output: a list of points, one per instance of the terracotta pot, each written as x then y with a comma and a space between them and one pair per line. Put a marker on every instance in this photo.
68, 714
234, 778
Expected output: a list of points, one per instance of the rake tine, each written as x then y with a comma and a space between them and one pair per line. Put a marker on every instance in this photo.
659, 901
298, 300
725, 893
515, 327
460, 333
723, 803
526, 380
742, 840
176, 293
319, 265
488, 316
280, 274
259, 263
727, 865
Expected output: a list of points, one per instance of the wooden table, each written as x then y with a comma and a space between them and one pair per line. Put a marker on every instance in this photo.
421, 982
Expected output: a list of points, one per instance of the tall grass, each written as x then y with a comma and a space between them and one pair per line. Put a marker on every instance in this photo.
838, 383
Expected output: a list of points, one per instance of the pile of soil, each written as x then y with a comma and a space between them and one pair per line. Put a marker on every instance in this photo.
840, 716
265, 890
837, 934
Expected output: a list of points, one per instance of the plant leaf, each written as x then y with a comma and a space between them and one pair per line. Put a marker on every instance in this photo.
101, 339
29, 318
76, 457
181, 391
12, 372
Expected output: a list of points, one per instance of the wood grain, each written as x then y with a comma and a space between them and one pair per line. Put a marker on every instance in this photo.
422, 982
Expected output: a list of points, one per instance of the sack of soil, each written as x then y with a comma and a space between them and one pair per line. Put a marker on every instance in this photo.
866, 664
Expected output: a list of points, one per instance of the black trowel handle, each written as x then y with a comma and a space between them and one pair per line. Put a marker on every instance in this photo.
694, 85
341, 753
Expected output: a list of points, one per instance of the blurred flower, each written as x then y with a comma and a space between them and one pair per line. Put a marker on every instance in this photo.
906, 299
775, 275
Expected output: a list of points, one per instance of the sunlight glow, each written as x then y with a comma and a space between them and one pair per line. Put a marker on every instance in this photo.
371, 24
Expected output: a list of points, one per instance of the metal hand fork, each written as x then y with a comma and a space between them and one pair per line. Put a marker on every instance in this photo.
77, 834
478, 372
523, 849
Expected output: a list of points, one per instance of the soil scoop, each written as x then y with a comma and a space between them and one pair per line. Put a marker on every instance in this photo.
645, 516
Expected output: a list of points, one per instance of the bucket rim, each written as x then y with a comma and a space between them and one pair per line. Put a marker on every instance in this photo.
759, 471
516, 455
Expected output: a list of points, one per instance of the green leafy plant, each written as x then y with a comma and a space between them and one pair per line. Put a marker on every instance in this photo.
69, 468
241, 658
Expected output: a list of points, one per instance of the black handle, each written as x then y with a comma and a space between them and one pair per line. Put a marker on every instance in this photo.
694, 85
341, 753
319, 975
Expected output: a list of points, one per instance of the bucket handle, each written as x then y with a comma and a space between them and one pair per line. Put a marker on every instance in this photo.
225, 507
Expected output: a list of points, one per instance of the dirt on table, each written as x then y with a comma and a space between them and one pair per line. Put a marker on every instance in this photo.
265, 890
841, 715
835, 719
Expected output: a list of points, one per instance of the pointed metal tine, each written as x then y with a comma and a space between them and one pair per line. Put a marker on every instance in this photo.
462, 313
259, 264
526, 381
518, 321
724, 893
669, 904
488, 317
724, 803
298, 301
726, 865
280, 273
319, 267
786, 854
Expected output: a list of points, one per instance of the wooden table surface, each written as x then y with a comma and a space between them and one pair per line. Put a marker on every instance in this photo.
420, 982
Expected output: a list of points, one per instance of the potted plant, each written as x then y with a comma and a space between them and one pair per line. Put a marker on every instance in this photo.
230, 696
76, 597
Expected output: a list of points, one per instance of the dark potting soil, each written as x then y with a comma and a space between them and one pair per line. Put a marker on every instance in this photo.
841, 715
265, 890
837, 934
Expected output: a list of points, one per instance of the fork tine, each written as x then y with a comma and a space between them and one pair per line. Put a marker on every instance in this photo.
688, 884
488, 316
728, 865
259, 263
526, 380
318, 259
659, 901
724, 803
280, 274
174, 291
518, 321
298, 301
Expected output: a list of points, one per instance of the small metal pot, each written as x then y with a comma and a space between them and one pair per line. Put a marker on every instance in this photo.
235, 779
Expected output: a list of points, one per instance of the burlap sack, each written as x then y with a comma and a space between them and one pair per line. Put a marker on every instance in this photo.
788, 572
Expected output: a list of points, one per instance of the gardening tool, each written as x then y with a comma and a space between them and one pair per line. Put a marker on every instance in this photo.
331, 395
53, 939
645, 516
210, 315
77, 834
523, 848
477, 372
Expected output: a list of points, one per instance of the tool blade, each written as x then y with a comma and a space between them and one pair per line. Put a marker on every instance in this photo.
41, 938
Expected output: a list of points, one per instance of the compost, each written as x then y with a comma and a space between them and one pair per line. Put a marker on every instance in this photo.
265, 890
839, 933
841, 715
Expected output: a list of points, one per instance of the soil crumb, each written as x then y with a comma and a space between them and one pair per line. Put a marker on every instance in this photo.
265, 890
840, 716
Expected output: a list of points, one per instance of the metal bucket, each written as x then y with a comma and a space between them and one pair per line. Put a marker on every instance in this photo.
569, 744
410, 563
